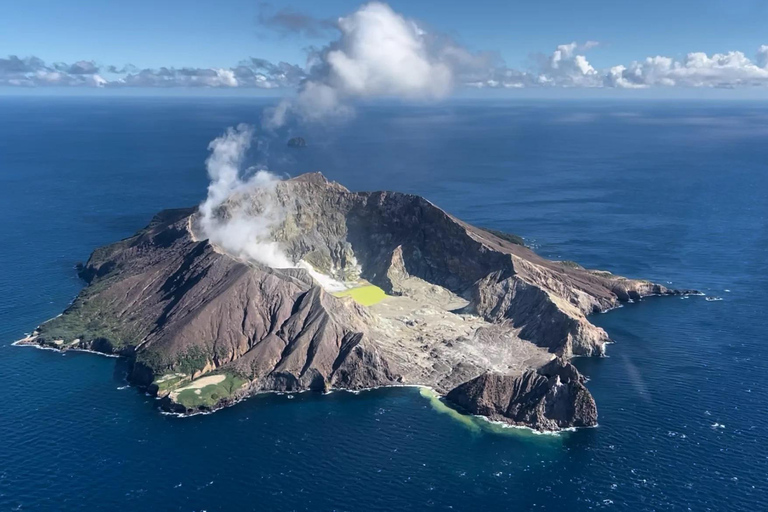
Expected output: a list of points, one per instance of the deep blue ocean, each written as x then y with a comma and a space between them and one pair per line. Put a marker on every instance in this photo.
676, 192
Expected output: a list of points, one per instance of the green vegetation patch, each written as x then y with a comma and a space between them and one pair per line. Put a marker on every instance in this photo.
210, 395
91, 318
191, 361
161, 362
367, 295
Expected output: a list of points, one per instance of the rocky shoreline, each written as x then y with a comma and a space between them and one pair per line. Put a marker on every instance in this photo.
472, 314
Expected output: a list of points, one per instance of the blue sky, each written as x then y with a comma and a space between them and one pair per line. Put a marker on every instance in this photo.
219, 35
152, 33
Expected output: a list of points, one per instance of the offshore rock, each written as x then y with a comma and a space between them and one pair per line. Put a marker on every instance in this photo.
550, 398
297, 142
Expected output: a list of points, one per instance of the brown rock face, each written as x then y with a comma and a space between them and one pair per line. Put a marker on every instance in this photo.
550, 398
470, 313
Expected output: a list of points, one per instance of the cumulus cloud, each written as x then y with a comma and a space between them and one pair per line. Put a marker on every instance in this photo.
250, 73
379, 53
732, 69
184, 77
32, 71
264, 74
382, 53
566, 67
417, 66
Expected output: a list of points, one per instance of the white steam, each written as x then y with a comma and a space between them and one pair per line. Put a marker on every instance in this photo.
241, 211
241, 232
379, 54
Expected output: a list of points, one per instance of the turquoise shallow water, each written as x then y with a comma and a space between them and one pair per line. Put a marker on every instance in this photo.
668, 191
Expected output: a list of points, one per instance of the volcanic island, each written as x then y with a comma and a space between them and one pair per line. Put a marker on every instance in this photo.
427, 300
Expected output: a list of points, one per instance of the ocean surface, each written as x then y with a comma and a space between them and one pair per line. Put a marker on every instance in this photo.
676, 192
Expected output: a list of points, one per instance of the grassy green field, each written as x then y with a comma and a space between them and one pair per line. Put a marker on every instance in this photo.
367, 295
210, 395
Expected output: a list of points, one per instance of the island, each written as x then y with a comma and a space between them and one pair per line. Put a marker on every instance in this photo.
429, 300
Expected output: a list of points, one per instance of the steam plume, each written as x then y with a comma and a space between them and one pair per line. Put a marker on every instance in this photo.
241, 211
241, 232
378, 54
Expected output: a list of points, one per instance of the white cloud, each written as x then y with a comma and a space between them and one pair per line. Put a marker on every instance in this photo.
732, 69
223, 78
50, 77
567, 68
98, 81
254, 73
616, 78
379, 53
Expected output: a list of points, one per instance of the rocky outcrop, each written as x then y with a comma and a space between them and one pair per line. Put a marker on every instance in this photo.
549, 398
472, 313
